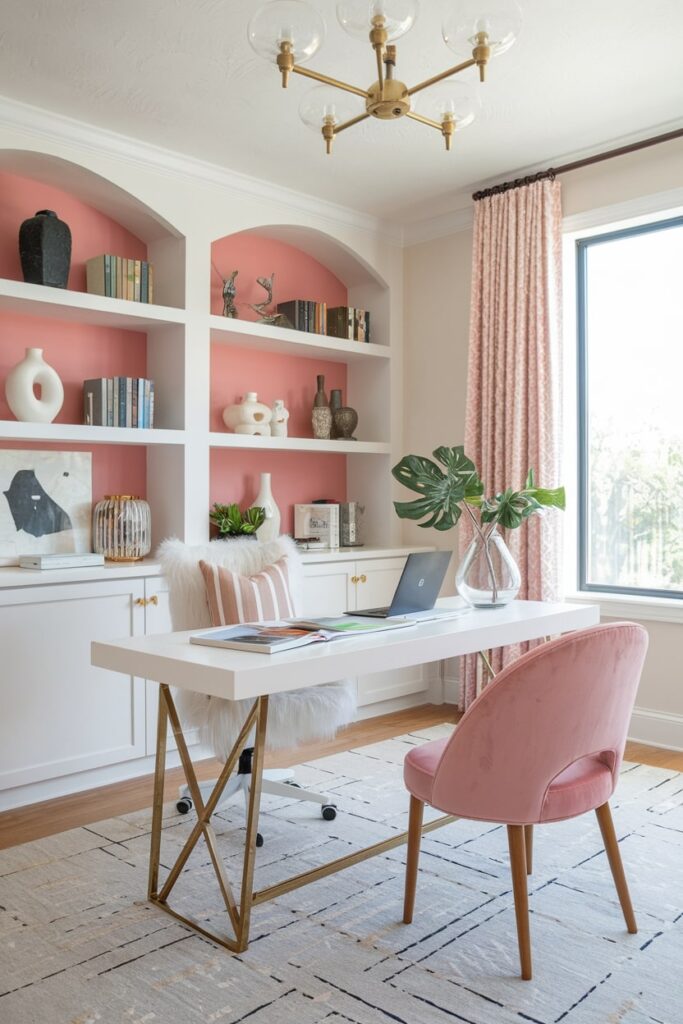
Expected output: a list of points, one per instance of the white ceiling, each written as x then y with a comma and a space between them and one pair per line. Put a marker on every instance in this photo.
181, 75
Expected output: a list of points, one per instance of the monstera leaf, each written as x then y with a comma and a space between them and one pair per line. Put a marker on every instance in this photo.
441, 493
510, 508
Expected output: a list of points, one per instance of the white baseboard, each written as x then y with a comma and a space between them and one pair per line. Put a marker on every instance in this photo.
658, 728
79, 782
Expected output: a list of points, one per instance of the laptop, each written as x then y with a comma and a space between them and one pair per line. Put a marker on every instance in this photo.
418, 587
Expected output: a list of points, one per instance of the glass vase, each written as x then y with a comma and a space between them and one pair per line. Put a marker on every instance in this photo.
122, 528
488, 576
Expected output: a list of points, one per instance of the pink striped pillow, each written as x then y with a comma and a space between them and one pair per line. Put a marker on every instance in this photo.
233, 598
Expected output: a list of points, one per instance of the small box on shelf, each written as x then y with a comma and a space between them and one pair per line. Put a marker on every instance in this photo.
348, 322
118, 402
118, 277
317, 522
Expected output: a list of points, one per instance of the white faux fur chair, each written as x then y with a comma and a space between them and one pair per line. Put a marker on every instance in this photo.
295, 717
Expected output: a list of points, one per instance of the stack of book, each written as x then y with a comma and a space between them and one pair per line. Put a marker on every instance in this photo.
305, 316
118, 402
120, 278
347, 322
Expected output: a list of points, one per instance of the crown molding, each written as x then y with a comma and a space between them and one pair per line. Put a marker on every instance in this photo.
557, 160
60, 129
461, 218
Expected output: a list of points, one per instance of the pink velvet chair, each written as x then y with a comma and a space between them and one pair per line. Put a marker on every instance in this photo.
542, 743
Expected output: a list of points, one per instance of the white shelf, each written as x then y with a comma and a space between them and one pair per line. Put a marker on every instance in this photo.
298, 444
12, 430
12, 576
81, 307
357, 554
248, 334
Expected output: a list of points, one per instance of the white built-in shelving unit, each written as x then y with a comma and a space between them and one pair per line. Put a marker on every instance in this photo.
180, 333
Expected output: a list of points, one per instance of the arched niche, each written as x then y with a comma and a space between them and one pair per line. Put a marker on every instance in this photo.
90, 188
350, 279
93, 201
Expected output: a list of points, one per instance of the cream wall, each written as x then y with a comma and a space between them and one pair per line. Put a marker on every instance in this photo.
436, 305
437, 277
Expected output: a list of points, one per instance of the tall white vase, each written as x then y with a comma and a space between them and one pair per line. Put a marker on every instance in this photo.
19, 391
271, 525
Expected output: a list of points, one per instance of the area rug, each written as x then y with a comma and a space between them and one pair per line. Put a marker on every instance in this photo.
79, 944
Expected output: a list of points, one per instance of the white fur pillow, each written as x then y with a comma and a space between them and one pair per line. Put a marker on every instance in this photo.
180, 566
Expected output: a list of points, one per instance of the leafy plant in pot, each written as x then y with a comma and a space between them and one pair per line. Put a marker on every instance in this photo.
488, 576
230, 522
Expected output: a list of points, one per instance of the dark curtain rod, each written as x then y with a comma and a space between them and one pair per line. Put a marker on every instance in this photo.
552, 172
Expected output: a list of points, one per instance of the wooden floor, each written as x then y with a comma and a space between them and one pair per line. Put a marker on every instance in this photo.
52, 816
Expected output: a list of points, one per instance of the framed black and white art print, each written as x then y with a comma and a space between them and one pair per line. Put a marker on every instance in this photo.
45, 503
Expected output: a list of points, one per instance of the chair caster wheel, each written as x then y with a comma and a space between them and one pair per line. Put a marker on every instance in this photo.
184, 805
329, 812
259, 839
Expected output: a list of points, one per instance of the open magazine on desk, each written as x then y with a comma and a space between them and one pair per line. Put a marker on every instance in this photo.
285, 634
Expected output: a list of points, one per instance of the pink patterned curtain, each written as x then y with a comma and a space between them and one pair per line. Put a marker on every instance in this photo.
513, 385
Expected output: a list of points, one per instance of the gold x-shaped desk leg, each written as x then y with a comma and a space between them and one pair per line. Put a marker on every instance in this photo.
239, 914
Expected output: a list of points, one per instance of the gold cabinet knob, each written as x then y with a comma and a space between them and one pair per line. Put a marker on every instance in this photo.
154, 599
142, 602
354, 579
363, 578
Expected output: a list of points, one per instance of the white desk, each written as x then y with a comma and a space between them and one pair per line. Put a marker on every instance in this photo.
172, 661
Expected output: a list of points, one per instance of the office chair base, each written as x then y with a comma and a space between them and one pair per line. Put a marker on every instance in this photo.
276, 782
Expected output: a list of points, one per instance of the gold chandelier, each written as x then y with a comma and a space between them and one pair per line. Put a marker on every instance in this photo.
290, 32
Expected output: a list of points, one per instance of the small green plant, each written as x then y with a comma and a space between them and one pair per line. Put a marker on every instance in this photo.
232, 522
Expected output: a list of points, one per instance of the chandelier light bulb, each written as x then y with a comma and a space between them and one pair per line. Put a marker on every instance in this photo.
326, 105
499, 21
451, 100
291, 22
356, 16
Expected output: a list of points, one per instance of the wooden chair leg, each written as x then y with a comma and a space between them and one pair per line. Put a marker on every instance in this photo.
529, 847
517, 845
414, 837
609, 838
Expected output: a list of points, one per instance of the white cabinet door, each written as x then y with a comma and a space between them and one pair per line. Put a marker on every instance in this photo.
377, 582
328, 589
60, 714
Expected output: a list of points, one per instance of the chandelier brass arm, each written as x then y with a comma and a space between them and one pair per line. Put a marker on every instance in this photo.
423, 120
439, 78
296, 69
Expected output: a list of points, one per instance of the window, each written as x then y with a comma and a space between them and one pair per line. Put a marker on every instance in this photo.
630, 410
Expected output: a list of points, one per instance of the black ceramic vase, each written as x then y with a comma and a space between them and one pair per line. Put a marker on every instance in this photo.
45, 249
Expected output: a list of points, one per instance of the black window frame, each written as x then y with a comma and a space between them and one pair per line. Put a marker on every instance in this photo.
583, 246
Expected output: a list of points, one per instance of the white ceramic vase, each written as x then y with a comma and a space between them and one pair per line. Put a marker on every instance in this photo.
248, 416
20, 383
271, 525
278, 424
